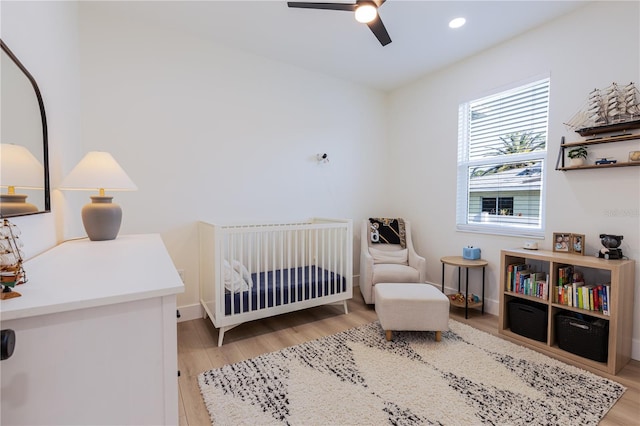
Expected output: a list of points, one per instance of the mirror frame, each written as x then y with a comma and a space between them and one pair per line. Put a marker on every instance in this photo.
45, 142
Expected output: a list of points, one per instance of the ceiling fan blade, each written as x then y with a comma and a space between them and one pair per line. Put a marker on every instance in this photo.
378, 29
326, 6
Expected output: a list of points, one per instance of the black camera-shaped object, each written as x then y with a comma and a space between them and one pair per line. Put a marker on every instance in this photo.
611, 244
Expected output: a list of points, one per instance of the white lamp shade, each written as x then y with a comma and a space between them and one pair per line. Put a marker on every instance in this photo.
19, 168
98, 170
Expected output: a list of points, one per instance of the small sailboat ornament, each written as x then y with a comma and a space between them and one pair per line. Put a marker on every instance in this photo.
612, 109
11, 270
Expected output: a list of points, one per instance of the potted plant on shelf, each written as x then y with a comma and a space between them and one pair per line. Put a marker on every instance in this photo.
577, 155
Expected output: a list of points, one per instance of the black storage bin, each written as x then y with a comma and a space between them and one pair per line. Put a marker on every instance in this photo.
528, 319
583, 335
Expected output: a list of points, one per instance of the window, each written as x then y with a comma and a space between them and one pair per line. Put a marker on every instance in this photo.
502, 205
502, 147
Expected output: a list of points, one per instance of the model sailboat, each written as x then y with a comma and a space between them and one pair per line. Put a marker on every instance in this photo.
11, 270
612, 109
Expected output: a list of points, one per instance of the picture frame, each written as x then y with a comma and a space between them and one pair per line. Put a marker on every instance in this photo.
562, 242
577, 244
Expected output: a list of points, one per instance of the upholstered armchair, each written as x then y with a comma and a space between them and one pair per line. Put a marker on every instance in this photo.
388, 263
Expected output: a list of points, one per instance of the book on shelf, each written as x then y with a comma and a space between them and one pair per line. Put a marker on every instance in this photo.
513, 275
541, 288
522, 279
592, 290
590, 297
565, 275
584, 293
599, 297
577, 298
606, 289
564, 295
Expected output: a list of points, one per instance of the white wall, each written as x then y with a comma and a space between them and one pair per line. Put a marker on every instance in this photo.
208, 133
44, 37
590, 48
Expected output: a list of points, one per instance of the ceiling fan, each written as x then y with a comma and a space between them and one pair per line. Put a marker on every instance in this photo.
366, 11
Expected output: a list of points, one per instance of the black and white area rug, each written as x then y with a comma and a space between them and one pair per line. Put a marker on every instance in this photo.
358, 378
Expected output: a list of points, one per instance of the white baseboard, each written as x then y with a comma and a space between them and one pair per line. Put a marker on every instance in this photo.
190, 312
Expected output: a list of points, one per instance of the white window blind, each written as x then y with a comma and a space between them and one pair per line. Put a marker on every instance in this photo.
502, 145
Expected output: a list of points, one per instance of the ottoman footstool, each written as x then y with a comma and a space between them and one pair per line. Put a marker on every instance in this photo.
411, 307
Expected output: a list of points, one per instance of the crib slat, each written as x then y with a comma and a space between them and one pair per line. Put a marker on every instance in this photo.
304, 260
317, 259
296, 264
339, 263
289, 263
228, 253
272, 236
332, 265
320, 269
259, 277
281, 268
246, 261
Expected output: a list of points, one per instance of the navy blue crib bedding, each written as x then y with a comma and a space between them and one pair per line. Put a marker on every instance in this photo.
284, 286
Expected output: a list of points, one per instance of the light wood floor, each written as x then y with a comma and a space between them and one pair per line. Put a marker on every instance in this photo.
198, 351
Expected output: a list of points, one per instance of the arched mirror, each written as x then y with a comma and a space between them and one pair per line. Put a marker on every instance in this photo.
24, 172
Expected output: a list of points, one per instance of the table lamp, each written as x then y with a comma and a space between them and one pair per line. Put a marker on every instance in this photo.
18, 169
99, 171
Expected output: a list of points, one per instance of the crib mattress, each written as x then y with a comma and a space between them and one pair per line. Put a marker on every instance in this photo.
285, 286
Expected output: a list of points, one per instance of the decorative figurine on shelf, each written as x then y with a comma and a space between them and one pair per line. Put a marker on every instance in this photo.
11, 270
605, 161
611, 244
577, 278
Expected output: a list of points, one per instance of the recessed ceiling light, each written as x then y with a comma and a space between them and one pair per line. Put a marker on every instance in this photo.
457, 22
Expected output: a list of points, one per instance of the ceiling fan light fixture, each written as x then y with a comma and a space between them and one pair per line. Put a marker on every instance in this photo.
366, 13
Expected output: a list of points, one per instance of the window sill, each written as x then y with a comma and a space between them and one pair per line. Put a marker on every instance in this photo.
502, 230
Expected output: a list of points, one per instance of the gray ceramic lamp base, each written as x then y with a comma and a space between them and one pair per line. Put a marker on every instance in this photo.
101, 218
11, 204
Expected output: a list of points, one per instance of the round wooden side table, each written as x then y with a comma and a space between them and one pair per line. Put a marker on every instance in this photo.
461, 262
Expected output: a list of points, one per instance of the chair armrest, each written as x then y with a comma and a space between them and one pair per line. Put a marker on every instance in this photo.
418, 262
366, 276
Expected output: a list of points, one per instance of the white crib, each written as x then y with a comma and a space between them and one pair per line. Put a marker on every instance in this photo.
248, 272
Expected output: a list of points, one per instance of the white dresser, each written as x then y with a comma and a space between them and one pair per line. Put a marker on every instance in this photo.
95, 336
